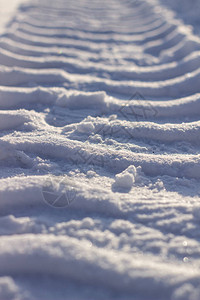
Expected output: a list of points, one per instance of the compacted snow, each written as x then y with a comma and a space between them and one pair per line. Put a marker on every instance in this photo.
99, 151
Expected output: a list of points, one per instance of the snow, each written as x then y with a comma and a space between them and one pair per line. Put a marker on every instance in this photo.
126, 178
99, 150
7, 11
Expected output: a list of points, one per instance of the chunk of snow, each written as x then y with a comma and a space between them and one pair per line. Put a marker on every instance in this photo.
126, 178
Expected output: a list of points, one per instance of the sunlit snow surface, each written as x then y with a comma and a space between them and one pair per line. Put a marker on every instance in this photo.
99, 150
7, 11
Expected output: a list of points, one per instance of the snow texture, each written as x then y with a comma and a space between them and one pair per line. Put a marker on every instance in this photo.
99, 150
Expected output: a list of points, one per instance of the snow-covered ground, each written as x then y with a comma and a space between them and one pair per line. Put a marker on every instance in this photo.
188, 10
7, 12
99, 150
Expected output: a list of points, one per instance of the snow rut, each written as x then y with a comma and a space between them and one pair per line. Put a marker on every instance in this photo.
89, 90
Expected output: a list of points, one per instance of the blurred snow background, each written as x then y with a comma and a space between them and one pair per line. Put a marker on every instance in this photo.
187, 10
7, 10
